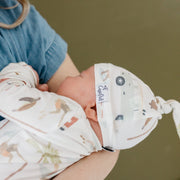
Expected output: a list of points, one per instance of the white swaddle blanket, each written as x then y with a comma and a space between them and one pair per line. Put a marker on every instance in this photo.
44, 132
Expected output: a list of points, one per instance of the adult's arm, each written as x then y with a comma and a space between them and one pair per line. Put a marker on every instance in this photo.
96, 166
93, 166
67, 68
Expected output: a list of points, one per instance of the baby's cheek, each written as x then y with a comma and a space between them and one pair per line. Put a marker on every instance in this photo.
63, 90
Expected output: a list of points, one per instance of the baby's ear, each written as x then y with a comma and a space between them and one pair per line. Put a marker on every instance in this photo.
90, 111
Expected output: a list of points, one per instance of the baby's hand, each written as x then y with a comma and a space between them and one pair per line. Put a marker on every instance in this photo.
42, 87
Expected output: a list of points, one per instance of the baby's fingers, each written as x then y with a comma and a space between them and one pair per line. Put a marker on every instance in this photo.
42, 87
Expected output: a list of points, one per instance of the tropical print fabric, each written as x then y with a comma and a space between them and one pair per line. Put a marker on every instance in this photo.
43, 132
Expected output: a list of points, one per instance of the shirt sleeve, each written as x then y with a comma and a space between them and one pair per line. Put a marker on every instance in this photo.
54, 56
46, 49
33, 42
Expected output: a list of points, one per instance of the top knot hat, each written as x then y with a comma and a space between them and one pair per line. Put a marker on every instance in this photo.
127, 109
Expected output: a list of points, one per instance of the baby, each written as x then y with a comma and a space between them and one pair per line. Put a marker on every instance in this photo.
105, 107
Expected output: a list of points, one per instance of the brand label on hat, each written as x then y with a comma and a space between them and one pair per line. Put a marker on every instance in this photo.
102, 94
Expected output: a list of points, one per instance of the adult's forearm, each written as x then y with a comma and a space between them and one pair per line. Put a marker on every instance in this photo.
96, 166
66, 69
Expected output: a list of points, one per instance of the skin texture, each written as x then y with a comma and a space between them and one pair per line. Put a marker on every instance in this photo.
67, 68
94, 167
81, 88
90, 167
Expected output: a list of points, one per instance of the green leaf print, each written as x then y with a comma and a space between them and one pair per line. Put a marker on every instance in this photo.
29, 99
48, 153
32, 102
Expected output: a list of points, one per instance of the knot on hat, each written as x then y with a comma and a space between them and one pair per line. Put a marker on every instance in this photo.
165, 107
127, 109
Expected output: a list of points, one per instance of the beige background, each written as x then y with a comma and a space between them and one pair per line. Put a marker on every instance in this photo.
143, 37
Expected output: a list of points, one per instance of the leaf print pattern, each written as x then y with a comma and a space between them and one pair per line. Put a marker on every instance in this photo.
32, 102
48, 153
25, 107
29, 99
58, 109
58, 106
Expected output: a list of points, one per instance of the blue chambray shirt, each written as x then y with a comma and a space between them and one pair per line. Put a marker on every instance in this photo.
33, 42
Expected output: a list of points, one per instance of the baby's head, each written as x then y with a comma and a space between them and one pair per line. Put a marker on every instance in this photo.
80, 88
126, 108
